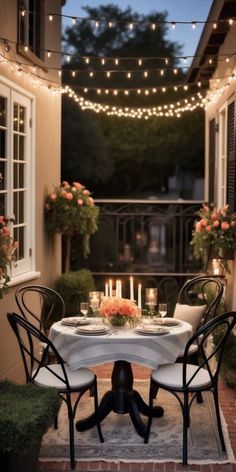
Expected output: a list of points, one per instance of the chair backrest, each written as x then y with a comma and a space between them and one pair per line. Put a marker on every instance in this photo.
211, 339
204, 290
34, 358
40, 303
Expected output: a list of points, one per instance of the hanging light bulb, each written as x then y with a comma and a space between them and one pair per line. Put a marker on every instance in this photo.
110, 24
116, 62
73, 20
91, 74
231, 21
166, 61
194, 24
103, 61
173, 24
73, 73
162, 72
97, 24
49, 53
108, 74
175, 71
68, 58
140, 62
131, 26
215, 25
145, 74
153, 26
50, 17
128, 75
87, 60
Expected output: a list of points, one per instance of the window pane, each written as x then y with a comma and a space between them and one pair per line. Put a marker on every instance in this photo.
2, 203
2, 143
21, 147
2, 175
15, 146
22, 119
19, 207
18, 235
21, 175
15, 111
3, 105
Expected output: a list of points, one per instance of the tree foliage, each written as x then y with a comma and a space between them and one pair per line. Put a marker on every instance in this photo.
125, 157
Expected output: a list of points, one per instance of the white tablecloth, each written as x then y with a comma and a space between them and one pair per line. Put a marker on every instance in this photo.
126, 344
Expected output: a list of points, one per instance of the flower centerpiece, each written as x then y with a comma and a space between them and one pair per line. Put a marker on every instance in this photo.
7, 254
70, 210
214, 231
119, 310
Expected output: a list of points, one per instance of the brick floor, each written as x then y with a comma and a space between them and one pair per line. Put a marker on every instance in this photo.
228, 405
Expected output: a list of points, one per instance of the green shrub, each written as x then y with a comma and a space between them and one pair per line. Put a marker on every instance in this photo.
26, 413
228, 366
74, 288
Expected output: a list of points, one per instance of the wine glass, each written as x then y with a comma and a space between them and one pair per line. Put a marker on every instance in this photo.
84, 306
162, 309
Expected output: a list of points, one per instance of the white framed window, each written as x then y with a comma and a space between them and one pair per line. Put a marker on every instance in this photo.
16, 168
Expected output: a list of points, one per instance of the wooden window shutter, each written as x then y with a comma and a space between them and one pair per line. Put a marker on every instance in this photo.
212, 153
231, 158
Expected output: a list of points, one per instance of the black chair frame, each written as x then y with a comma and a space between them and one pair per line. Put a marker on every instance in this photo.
33, 361
227, 321
52, 306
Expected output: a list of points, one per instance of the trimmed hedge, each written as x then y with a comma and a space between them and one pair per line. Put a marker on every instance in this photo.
74, 288
26, 413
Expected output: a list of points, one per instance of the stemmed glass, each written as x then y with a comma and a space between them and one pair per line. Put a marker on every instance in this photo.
95, 299
84, 306
162, 309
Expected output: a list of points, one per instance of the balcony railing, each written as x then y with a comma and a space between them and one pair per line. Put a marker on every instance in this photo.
148, 239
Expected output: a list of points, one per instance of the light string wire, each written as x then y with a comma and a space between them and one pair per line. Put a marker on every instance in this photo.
173, 109
104, 59
112, 21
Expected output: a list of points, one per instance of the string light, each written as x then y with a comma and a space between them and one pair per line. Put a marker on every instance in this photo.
170, 110
50, 17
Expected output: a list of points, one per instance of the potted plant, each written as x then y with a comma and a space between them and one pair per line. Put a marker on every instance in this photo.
7, 254
214, 234
70, 210
26, 412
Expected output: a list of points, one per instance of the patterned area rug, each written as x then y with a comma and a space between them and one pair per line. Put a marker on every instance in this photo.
122, 443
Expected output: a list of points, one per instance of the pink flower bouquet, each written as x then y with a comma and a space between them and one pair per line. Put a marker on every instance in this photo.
119, 310
216, 229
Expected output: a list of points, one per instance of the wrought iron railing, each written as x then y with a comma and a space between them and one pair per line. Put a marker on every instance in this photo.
148, 239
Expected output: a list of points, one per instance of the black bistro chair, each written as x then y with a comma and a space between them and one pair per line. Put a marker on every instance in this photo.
185, 381
58, 375
202, 290
48, 305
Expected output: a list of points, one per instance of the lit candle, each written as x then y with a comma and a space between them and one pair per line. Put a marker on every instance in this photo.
117, 289
140, 296
106, 290
120, 289
131, 288
110, 288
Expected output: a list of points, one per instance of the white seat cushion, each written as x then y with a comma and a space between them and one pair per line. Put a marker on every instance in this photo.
77, 378
190, 313
171, 375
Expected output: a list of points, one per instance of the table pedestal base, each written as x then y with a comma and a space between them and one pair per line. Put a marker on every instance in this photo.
121, 399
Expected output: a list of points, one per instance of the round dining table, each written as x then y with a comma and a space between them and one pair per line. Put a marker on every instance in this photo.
122, 346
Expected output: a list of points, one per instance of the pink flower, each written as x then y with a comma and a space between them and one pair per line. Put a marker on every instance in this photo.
224, 225
86, 192
64, 193
90, 201
203, 223
216, 224
1, 219
69, 196
65, 183
53, 196
215, 215
205, 208
78, 186
208, 228
80, 201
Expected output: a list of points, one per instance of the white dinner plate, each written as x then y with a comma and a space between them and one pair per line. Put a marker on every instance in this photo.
92, 330
166, 321
74, 321
152, 329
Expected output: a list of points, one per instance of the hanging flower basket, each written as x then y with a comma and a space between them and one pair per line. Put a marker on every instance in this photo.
70, 210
